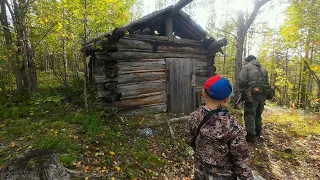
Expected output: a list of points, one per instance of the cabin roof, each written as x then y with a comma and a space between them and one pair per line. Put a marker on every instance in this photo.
183, 26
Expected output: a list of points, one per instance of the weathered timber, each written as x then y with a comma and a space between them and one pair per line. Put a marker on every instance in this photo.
101, 94
140, 77
201, 72
111, 69
127, 44
140, 71
112, 86
97, 62
180, 88
186, 50
201, 68
133, 103
177, 7
217, 44
100, 79
144, 55
156, 108
201, 80
99, 70
135, 66
143, 95
141, 88
159, 39
147, 37
100, 87
113, 97
133, 76
200, 63
169, 29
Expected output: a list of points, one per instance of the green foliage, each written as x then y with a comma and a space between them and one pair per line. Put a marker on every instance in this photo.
296, 122
59, 142
92, 125
147, 159
68, 159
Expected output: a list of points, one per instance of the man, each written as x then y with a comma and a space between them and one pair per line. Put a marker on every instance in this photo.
253, 83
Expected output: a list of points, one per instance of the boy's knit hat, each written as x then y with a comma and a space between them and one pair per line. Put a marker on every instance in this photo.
218, 88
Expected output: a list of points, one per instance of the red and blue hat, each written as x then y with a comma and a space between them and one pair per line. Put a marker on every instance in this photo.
218, 88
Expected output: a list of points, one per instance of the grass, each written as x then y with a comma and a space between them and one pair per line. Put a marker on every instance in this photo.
295, 122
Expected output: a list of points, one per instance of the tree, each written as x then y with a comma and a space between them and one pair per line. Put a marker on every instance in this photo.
9, 40
301, 32
243, 26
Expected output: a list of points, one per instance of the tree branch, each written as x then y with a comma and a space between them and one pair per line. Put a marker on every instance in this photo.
232, 41
226, 32
235, 22
315, 77
257, 6
45, 35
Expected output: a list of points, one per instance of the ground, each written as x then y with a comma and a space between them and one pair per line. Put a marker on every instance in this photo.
102, 142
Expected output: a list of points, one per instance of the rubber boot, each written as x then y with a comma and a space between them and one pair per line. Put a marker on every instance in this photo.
258, 134
251, 138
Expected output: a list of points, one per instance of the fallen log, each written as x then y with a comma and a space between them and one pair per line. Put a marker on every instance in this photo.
40, 165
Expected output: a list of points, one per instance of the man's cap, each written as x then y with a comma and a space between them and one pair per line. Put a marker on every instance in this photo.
250, 58
218, 88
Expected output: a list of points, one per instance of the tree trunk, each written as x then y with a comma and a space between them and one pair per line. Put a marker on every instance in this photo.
238, 63
85, 57
8, 35
286, 98
243, 26
303, 98
299, 85
24, 54
64, 56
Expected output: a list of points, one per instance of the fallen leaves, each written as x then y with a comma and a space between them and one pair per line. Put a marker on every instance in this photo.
13, 144
117, 168
86, 168
112, 153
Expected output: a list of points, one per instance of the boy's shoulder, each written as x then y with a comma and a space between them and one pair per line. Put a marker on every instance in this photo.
227, 121
196, 115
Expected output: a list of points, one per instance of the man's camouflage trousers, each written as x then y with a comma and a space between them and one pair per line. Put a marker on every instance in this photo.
252, 115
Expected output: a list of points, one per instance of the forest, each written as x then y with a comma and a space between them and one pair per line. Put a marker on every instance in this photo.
48, 94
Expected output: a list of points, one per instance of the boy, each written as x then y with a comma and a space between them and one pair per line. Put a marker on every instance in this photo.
219, 142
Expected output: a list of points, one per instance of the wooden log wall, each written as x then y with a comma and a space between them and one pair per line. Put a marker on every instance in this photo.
133, 78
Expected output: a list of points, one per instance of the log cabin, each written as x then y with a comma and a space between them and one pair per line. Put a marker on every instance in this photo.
158, 63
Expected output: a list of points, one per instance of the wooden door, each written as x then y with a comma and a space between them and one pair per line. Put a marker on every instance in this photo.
180, 86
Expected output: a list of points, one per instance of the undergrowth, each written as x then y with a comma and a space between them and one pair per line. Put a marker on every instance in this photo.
295, 122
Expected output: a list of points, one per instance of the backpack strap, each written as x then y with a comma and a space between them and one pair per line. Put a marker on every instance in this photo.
262, 75
206, 119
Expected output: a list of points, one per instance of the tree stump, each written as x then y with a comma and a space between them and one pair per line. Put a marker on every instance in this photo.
39, 165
